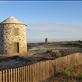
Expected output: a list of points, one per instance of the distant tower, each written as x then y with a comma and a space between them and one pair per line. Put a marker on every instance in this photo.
46, 40
12, 37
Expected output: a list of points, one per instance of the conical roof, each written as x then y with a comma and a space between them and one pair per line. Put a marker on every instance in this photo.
11, 19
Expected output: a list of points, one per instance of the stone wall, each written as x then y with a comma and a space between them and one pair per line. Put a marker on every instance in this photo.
1, 39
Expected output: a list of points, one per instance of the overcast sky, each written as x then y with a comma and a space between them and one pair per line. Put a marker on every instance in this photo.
57, 21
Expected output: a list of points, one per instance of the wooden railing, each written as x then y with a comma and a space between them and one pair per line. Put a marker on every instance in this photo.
39, 71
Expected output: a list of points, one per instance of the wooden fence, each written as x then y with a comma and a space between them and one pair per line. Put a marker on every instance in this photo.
39, 71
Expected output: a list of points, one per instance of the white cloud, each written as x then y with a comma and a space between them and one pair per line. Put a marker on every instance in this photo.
54, 31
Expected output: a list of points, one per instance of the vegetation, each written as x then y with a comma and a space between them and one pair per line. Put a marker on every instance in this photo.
56, 49
62, 52
61, 43
16, 58
72, 73
66, 43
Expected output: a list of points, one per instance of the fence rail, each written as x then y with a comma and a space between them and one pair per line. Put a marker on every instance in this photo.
39, 71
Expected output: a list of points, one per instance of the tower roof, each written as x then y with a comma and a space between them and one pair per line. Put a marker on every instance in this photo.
11, 19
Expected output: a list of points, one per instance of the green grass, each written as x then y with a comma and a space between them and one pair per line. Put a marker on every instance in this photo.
61, 43
65, 43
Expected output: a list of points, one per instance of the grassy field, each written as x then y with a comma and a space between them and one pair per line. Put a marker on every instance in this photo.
61, 43
66, 43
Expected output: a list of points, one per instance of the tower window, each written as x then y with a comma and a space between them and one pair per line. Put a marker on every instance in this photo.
16, 31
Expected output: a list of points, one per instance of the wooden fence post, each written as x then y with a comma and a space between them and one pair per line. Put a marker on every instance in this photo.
0, 76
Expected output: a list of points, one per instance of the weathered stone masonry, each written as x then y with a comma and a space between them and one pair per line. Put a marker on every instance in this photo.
12, 37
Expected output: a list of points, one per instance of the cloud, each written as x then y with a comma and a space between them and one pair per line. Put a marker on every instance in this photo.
55, 31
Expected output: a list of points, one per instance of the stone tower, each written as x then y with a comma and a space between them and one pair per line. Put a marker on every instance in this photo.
12, 37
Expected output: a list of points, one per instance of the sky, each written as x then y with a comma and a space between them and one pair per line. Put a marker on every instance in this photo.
56, 20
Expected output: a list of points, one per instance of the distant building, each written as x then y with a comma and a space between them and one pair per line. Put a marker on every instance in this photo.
12, 37
46, 40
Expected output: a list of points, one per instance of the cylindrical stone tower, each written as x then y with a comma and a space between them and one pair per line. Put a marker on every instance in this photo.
12, 37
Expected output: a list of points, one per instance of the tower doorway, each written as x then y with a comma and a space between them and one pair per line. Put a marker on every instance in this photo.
16, 47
